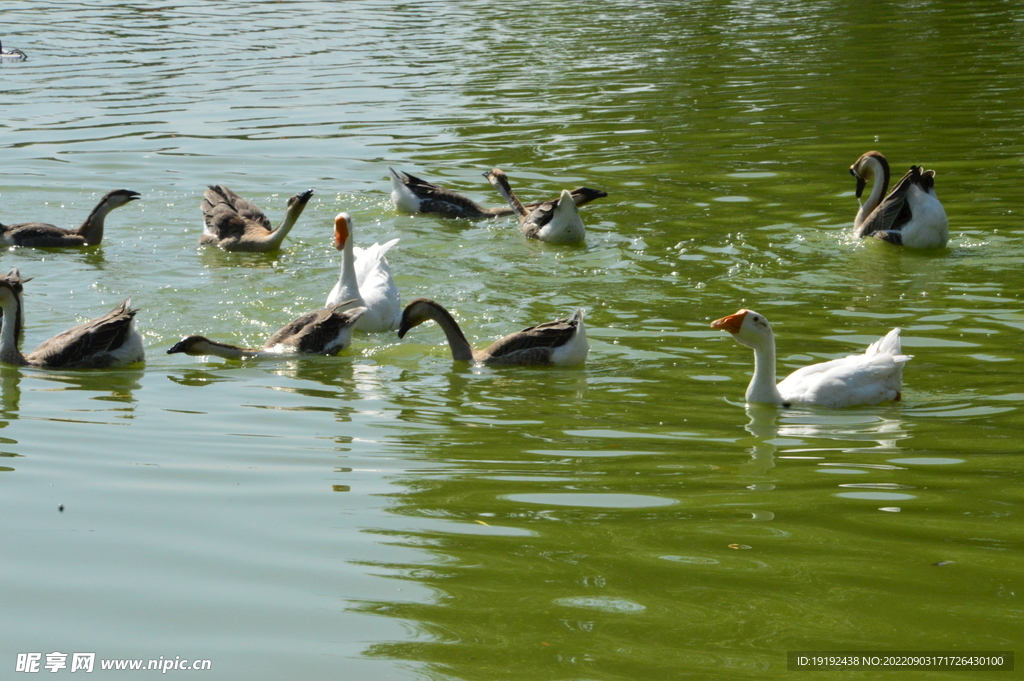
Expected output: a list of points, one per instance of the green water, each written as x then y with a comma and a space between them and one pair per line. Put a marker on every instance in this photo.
390, 514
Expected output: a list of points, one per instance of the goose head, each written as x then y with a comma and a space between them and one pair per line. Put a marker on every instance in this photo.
415, 313
866, 167
299, 200
118, 198
192, 345
584, 195
748, 328
14, 281
9, 288
342, 230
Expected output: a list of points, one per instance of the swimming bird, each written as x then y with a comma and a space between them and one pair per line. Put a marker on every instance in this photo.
870, 378
107, 341
910, 215
236, 224
89, 233
556, 221
326, 331
562, 342
413, 195
12, 53
365, 279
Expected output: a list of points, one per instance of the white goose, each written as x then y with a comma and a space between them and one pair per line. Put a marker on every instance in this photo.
910, 215
562, 342
107, 341
870, 378
556, 221
365, 280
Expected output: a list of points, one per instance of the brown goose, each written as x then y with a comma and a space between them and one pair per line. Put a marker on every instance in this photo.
236, 224
910, 215
326, 331
413, 195
562, 342
89, 233
107, 341
556, 221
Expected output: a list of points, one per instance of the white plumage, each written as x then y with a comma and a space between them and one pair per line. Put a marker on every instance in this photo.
873, 377
366, 280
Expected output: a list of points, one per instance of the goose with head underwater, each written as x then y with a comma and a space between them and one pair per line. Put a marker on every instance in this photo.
910, 215
365, 280
107, 341
562, 342
555, 221
412, 195
326, 331
89, 233
870, 378
236, 224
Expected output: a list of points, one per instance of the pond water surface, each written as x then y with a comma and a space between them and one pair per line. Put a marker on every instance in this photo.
391, 514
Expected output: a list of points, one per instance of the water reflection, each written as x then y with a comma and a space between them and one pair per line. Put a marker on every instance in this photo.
820, 435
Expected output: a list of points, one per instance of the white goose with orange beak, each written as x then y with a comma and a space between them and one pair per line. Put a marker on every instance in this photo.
871, 378
365, 280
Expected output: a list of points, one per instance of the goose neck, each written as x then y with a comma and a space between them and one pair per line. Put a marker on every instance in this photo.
879, 185
762, 386
460, 347
9, 352
349, 281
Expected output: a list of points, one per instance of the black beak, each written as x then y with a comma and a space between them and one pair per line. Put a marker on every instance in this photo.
861, 183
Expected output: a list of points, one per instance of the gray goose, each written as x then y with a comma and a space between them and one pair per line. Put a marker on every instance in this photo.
562, 342
910, 215
236, 224
107, 341
413, 195
89, 233
556, 221
326, 331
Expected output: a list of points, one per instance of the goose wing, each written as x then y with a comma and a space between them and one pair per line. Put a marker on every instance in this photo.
319, 331
533, 343
894, 210
436, 199
538, 219
226, 214
89, 343
869, 378
39, 235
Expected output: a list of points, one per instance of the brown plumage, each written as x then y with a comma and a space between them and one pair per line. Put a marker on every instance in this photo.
413, 195
89, 233
562, 342
326, 331
109, 340
556, 221
236, 224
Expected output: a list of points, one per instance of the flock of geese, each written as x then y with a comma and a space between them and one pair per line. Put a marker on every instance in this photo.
366, 298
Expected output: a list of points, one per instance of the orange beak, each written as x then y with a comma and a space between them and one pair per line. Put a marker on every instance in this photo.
732, 323
340, 231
